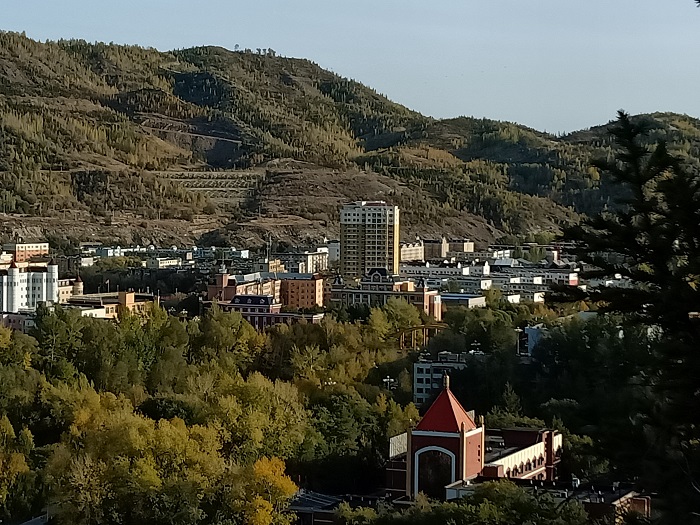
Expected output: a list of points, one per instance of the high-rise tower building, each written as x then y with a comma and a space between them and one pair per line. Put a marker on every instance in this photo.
369, 238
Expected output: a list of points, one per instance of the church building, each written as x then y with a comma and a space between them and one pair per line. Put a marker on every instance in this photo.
449, 449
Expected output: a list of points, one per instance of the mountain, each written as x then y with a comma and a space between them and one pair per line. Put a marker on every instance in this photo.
252, 144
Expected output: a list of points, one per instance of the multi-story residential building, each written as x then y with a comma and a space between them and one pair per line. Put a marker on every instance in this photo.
304, 262
378, 286
25, 251
470, 285
302, 291
428, 374
485, 255
267, 264
550, 252
435, 248
369, 238
412, 251
24, 288
110, 251
444, 270
293, 290
333, 249
68, 288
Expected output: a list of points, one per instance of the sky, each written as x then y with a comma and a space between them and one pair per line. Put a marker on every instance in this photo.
554, 65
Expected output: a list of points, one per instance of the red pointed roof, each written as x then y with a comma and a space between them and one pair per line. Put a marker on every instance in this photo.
446, 415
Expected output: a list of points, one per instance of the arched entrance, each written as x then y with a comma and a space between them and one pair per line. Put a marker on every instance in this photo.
435, 468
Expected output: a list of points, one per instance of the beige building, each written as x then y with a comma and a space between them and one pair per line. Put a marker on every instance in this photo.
108, 305
68, 288
24, 251
304, 262
159, 263
269, 265
412, 251
369, 238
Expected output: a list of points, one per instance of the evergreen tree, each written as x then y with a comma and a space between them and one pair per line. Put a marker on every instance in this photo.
655, 240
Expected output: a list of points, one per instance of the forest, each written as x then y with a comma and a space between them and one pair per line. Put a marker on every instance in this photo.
167, 420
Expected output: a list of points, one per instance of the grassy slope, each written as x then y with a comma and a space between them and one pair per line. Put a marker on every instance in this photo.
94, 108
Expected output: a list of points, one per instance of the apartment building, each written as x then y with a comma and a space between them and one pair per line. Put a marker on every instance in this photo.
467, 300
68, 288
333, 249
302, 291
412, 251
160, 263
293, 290
369, 238
304, 262
266, 264
428, 375
460, 246
444, 270
24, 251
549, 275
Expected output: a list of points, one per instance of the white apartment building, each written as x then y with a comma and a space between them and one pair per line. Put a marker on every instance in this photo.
481, 255
427, 375
369, 238
548, 275
443, 271
24, 289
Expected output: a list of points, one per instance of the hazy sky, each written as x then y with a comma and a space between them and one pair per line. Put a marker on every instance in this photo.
555, 65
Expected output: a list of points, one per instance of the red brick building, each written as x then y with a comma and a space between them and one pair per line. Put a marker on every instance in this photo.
448, 449
446, 446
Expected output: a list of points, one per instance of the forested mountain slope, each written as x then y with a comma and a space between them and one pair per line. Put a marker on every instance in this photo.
92, 128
